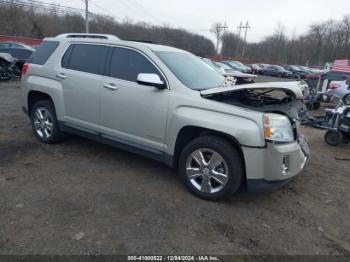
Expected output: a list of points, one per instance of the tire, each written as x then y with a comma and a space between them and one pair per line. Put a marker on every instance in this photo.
308, 105
333, 138
316, 105
346, 99
230, 168
44, 122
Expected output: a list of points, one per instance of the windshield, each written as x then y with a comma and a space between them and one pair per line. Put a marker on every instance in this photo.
211, 63
280, 68
233, 65
224, 66
191, 70
304, 68
238, 63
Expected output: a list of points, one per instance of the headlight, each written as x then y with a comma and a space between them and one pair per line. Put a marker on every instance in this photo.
278, 128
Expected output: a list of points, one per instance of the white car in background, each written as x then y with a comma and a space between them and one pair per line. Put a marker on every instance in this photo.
340, 89
228, 72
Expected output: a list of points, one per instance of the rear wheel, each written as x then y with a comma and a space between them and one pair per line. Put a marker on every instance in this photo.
333, 138
211, 168
44, 122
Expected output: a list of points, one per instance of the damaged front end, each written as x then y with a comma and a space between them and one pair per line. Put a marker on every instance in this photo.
278, 97
286, 151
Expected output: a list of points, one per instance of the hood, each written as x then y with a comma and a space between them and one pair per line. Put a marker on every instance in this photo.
296, 89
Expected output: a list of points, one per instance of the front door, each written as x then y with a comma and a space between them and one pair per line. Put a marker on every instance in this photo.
132, 113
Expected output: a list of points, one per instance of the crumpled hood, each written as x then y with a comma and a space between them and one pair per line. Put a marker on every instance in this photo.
297, 89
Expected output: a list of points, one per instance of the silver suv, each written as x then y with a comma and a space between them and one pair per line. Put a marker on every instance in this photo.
166, 104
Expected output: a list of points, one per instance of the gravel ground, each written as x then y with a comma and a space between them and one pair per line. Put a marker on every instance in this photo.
81, 197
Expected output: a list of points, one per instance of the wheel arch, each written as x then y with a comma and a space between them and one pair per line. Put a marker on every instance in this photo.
35, 96
188, 133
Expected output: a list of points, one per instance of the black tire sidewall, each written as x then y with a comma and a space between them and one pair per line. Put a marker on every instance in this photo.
230, 155
329, 138
56, 134
345, 98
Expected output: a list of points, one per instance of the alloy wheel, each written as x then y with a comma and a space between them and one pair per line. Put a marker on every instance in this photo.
43, 122
207, 170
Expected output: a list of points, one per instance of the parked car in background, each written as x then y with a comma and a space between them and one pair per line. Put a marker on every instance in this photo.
237, 67
340, 90
305, 70
242, 78
14, 45
279, 71
167, 104
263, 67
247, 68
256, 69
296, 71
226, 71
20, 55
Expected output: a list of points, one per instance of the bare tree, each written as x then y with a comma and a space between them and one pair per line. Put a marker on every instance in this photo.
218, 29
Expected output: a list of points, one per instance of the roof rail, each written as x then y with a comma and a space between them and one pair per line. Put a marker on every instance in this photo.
85, 35
142, 41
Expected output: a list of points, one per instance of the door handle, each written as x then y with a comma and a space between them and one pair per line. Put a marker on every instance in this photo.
110, 86
61, 75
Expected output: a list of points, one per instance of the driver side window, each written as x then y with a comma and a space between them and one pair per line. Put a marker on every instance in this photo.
126, 64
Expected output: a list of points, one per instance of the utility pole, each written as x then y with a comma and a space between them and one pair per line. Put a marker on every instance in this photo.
239, 38
87, 16
222, 28
246, 27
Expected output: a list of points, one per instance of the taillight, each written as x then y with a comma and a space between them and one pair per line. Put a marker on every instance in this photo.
25, 69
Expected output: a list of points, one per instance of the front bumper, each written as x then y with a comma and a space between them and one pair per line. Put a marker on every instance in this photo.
274, 165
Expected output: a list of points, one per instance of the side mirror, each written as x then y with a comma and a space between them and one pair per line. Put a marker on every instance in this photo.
150, 80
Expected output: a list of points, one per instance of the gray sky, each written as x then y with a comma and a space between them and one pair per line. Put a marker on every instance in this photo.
199, 15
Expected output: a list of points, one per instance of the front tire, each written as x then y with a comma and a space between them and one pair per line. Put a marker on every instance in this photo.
211, 168
44, 122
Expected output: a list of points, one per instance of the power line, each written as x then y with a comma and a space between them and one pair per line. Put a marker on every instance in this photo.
105, 10
43, 6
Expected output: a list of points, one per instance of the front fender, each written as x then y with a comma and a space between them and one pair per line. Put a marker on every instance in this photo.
247, 131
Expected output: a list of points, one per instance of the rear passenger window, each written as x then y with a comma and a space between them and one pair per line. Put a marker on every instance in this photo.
86, 58
43, 52
126, 64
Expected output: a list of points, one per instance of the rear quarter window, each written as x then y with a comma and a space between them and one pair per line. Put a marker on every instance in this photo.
85, 58
43, 52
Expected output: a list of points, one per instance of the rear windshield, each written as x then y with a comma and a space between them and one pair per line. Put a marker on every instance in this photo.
43, 52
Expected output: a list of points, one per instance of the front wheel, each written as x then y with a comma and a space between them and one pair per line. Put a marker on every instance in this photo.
211, 168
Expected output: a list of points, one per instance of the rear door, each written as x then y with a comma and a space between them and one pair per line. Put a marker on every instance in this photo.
132, 113
81, 73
